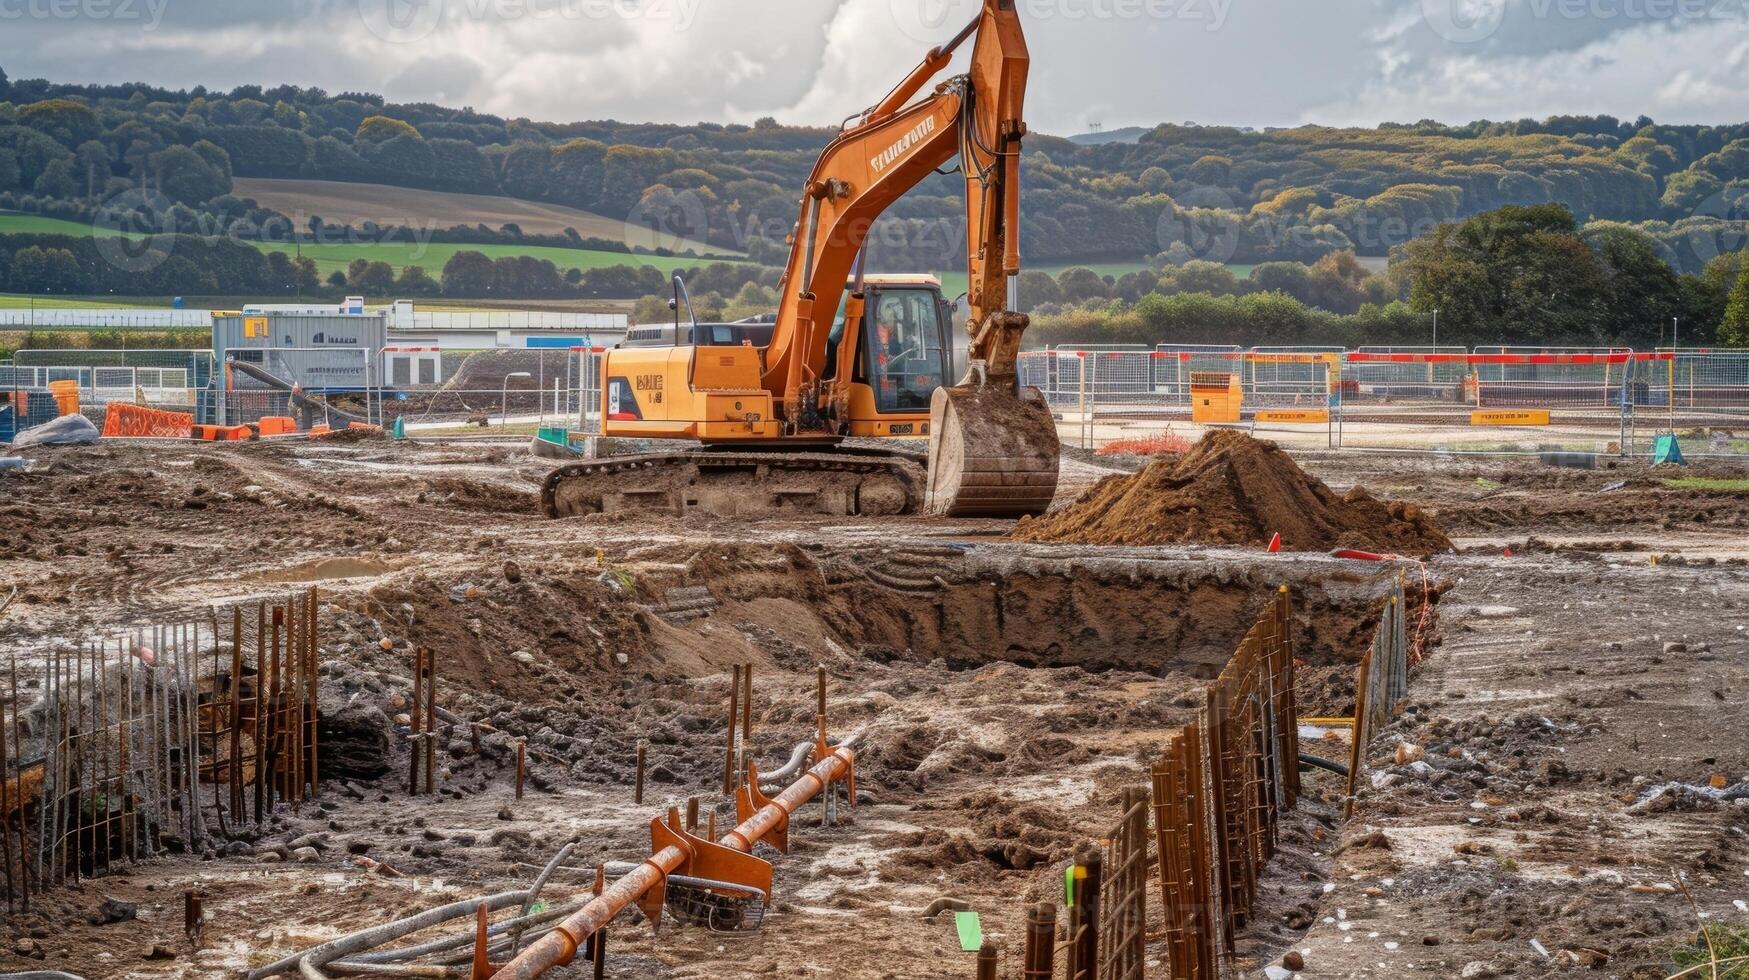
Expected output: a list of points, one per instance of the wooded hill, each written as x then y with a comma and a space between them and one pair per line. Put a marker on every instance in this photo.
1190, 192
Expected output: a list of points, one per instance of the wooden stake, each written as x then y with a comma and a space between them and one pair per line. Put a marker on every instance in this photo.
521, 764
430, 721
729, 757
416, 714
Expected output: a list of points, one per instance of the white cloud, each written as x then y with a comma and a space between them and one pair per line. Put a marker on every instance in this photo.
1120, 62
1668, 73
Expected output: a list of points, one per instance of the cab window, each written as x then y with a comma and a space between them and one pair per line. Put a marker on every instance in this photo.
903, 350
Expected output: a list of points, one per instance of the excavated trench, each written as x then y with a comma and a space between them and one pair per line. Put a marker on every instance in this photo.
970, 607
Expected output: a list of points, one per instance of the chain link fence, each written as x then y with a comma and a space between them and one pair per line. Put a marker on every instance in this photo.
1492, 399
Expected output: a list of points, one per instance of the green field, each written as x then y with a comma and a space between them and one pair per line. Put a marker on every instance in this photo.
12, 301
431, 256
36, 224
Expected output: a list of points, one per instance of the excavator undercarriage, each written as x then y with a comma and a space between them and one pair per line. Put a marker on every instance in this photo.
741, 483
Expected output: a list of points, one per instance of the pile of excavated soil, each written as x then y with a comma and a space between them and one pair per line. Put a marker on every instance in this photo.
1233, 489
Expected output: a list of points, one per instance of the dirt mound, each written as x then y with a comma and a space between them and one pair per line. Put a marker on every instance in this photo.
1233, 489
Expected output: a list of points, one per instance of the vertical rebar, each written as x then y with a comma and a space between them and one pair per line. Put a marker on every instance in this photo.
276, 723
291, 720
729, 773
235, 770
75, 746
6, 807
192, 658
638, 786
100, 832
18, 767
211, 724
257, 776
54, 745
987, 961
124, 763
315, 717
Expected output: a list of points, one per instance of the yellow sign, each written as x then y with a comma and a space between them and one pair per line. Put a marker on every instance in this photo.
1513, 416
1317, 416
255, 326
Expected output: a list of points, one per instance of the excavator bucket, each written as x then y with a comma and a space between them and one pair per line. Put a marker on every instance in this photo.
992, 452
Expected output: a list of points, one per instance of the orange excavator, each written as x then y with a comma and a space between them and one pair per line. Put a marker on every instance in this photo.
849, 354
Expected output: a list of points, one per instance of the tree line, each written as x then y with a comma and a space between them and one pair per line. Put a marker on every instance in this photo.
1183, 192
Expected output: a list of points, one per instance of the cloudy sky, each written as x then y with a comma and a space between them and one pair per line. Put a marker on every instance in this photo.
1114, 62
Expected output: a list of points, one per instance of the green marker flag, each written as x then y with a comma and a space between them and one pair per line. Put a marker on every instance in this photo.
971, 931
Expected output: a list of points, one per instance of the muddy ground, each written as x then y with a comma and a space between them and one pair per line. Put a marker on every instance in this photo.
1004, 695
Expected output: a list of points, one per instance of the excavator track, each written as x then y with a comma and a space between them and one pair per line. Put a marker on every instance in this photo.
740, 483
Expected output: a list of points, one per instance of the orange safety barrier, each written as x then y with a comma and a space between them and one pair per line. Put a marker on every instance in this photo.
221, 433
364, 426
317, 431
276, 425
122, 419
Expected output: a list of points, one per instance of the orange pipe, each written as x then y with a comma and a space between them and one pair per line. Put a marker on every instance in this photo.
556, 948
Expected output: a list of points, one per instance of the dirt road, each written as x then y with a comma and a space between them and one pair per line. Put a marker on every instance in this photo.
1005, 694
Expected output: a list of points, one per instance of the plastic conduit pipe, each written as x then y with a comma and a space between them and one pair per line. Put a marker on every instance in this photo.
559, 946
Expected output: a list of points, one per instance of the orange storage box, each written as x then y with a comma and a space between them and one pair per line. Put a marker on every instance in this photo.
66, 396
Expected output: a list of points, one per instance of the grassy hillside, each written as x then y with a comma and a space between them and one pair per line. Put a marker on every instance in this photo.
354, 204
431, 256
34, 224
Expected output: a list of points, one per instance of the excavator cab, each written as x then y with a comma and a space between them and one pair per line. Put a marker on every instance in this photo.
897, 347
